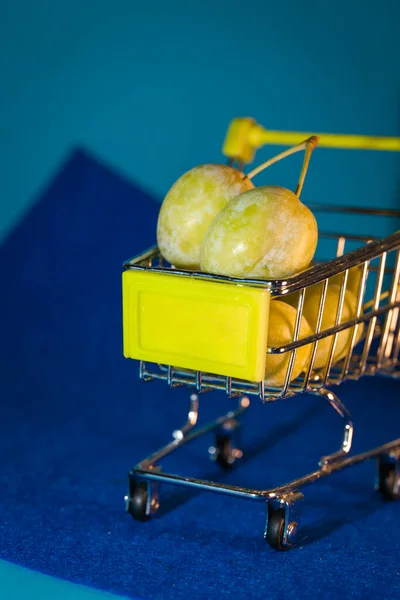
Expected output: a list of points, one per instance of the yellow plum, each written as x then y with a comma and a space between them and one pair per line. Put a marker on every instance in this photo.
281, 325
310, 312
190, 207
263, 233
353, 279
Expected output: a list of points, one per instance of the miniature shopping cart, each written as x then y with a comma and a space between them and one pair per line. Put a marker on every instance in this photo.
178, 324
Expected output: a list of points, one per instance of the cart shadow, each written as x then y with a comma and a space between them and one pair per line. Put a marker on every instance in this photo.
310, 533
345, 514
173, 499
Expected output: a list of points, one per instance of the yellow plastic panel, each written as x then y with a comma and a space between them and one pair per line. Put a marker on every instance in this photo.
196, 324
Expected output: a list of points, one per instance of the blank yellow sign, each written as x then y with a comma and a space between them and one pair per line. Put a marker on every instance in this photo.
204, 325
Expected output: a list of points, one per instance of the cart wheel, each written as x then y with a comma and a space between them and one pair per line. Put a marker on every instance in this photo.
276, 529
224, 452
137, 502
388, 478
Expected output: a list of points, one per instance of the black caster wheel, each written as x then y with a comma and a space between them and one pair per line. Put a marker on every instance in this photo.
389, 481
224, 454
276, 529
137, 502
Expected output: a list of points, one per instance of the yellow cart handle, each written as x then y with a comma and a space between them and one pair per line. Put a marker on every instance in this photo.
245, 136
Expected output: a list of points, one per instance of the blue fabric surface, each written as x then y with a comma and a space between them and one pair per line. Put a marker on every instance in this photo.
74, 419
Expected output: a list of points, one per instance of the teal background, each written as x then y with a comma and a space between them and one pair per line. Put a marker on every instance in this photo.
17, 583
150, 88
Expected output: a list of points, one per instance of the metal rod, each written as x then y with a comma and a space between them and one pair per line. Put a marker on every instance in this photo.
394, 293
377, 298
314, 275
292, 358
360, 298
254, 494
337, 322
184, 434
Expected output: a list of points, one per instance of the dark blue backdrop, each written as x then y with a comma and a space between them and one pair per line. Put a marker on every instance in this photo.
74, 419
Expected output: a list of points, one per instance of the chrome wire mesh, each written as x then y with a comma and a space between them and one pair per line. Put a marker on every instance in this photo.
377, 312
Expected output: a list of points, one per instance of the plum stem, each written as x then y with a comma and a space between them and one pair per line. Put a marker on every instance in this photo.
308, 145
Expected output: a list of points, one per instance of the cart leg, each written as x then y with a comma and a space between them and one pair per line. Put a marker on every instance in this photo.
142, 500
283, 520
388, 476
339, 407
227, 449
